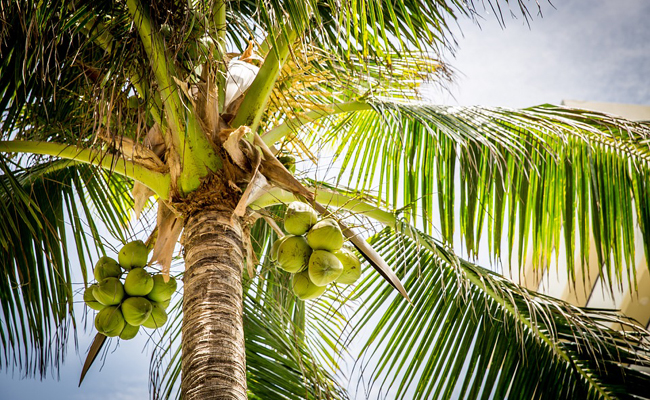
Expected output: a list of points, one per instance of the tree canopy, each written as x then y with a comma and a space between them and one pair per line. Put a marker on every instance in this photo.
83, 83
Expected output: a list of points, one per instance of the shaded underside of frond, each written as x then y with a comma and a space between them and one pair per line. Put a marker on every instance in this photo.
472, 334
47, 211
548, 173
57, 82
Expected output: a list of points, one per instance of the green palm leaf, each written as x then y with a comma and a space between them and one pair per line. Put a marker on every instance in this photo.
534, 172
69, 68
470, 333
47, 211
474, 334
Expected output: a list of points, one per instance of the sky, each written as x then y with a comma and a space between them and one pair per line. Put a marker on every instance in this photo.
596, 50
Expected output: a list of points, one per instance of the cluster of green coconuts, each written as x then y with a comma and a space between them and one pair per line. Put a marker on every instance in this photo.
313, 252
141, 300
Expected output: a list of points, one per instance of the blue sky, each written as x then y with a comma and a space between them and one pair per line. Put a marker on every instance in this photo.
595, 50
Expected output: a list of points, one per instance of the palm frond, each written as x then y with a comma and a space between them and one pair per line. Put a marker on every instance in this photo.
372, 30
534, 172
57, 82
47, 212
313, 80
473, 334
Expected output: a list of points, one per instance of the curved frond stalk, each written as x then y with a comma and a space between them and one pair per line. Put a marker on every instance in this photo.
475, 334
254, 104
156, 181
163, 70
331, 197
220, 22
282, 130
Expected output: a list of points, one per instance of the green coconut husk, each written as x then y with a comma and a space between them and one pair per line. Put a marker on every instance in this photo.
138, 282
304, 288
325, 235
351, 266
90, 300
133, 255
109, 321
109, 291
136, 310
273, 253
299, 217
293, 254
164, 304
162, 291
157, 318
106, 267
129, 332
324, 267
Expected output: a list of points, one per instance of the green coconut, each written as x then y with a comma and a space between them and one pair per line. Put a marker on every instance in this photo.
136, 310
157, 318
90, 300
106, 267
138, 282
164, 304
109, 321
351, 266
293, 254
162, 291
304, 288
273, 254
299, 217
325, 235
109, 291
133, 255
129, 332
324, 267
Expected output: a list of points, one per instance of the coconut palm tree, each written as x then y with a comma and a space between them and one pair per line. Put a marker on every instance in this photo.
203, 109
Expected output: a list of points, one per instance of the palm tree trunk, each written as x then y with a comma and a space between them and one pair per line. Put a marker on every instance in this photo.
213, 359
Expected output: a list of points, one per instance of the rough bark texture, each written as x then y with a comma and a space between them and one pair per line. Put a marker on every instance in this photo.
214, 359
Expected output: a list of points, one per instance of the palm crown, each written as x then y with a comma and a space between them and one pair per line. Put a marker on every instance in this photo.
88, 90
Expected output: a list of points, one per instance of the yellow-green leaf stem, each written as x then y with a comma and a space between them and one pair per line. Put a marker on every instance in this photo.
154, 47
254, 103
331, 199
156, 181
293, 124
219, 21
187, 138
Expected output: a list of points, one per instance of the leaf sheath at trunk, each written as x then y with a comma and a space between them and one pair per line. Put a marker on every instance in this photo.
214, 360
